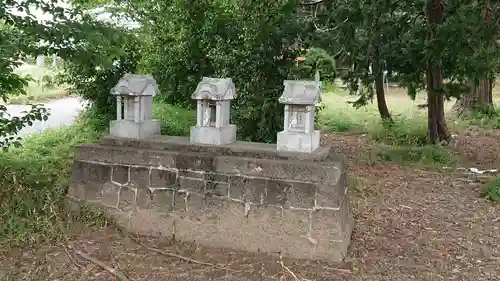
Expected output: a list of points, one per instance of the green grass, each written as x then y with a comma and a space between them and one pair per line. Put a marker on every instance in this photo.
429, 156
34, 179
403, 141
491, 190
340, 116
487, 118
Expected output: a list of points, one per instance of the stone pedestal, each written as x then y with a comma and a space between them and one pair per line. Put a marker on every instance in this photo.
298, 141
244, 196
211, 135
134, 130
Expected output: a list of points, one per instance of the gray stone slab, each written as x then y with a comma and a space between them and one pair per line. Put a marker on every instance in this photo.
136, 130
298, 142
212, 135
238, 148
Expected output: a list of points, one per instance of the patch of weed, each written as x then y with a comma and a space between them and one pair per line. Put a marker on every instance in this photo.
402, 132
427, 156
357, 186
331, 121
34, 180
491, 190
487, 117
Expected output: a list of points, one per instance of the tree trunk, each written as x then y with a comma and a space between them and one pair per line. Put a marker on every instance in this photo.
481, 93
438, 131
480, 96
379, 87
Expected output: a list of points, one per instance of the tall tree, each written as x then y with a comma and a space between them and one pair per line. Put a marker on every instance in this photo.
366, 32
378, 70
486, 30
438, 130
432, 45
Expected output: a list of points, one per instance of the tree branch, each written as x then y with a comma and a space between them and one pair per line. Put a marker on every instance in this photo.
311, 3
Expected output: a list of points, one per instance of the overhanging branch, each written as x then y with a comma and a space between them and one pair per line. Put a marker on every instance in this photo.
310, 2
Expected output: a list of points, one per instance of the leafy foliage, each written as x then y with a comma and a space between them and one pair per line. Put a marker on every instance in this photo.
98, 64
175, 121
13, 46
365, 32
259, 62
253, 43
315, 59
23, 36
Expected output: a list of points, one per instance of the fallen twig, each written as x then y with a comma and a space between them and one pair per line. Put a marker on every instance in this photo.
113, 271
189, 260
182, 257
339, 269
71, 258
287, 269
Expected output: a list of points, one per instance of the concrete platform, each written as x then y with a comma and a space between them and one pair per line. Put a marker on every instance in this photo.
243, 196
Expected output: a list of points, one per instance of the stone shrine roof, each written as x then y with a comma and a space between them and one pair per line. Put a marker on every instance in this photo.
215, 89
301, 92
135, 85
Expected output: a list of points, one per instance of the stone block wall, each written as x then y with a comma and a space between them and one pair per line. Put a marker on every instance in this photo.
271, 204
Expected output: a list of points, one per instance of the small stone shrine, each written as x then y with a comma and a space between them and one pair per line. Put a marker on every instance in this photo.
300, 99
134, 103
213, 126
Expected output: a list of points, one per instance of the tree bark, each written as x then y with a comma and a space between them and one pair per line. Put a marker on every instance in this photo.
438, 130
479, 97
379, 87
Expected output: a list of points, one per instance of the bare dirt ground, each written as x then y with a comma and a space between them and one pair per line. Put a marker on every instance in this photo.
411, 224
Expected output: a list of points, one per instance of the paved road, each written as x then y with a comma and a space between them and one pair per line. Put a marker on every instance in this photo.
62, 112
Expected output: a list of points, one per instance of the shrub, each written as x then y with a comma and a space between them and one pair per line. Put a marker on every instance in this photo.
48, 81
255, 43
485, 117
315, 59
175, 121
